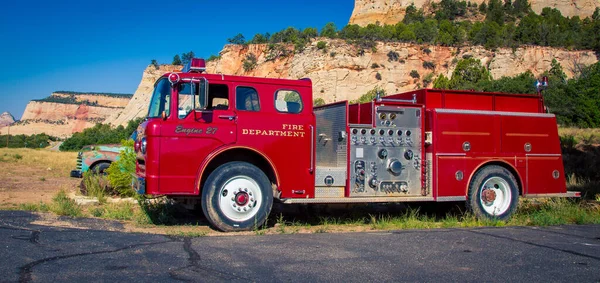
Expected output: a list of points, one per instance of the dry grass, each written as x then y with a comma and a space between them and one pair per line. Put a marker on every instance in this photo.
59, 163
581, 157
581, 136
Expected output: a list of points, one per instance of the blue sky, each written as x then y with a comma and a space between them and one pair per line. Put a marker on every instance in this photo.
103, 46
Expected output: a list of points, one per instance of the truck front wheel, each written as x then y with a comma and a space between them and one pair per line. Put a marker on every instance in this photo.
237, 196
493, 193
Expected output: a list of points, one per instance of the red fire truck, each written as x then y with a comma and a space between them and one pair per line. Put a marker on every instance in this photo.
235, 144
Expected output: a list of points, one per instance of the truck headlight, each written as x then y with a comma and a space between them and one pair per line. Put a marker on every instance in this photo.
143, 146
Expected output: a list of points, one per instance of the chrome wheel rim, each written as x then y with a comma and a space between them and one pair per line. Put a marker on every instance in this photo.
495, 196
240, 198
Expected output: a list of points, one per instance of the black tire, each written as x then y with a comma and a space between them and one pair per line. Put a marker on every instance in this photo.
228, 197
499, 203
100, 168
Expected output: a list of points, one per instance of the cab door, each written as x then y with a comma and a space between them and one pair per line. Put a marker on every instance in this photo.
195, 130
277, 121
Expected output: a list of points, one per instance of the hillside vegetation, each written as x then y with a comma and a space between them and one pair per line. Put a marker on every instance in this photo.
508, 24
100, 134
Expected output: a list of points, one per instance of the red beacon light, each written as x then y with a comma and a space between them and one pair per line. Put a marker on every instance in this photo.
196, 65
173, 78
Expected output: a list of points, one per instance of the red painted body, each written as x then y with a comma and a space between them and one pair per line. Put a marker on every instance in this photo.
182, 152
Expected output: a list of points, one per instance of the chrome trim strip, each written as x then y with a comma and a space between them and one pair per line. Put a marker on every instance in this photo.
501, 113
456, 198
568, 194
413, 100
356, 199
360, 126
450, 154
312, 149
543, 154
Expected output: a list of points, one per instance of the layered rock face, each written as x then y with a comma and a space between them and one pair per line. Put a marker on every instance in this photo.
138, 105
6, 119
392, 11
340, 73
62, 114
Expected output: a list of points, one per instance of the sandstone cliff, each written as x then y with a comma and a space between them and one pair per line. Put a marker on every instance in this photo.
138, 105
340, 73
392, 11
6, 119
62, 114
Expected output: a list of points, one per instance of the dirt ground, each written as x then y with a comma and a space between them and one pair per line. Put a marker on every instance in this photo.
27, 177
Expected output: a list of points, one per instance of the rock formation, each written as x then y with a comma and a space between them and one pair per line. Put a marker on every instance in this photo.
392, 11
6, 119
340, 73
62, 114
138, 105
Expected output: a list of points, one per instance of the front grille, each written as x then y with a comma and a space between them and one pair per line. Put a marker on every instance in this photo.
79, 161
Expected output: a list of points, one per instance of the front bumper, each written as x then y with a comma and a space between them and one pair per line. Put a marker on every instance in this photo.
139, 184
76, 174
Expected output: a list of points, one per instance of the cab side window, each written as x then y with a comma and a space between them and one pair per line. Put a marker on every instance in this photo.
288, 101
246, 98
187, 92
218, 97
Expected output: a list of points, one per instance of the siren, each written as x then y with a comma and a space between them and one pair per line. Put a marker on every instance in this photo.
196, 65
541, 85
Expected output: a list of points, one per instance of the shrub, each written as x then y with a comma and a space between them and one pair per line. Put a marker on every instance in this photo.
378, 76
63, 205
427, 79
427, 51
374, 66
318, 102
321, 45
370, 95
213, 58
393, 56
429, 65
414, 74
121, 172
250, 62
100, 134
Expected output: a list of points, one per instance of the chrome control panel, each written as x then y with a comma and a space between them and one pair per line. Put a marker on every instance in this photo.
386, 160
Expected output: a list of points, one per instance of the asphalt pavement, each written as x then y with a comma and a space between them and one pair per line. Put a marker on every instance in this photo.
34, 253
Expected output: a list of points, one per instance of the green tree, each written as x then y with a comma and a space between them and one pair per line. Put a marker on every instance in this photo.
259, 39
238, 39
329, 30
187, 57
468, 74
154, 63
442, 82
412, 15
176, 60
310, 33
370, 95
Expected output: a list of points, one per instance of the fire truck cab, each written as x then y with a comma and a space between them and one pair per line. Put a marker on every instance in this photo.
235, 144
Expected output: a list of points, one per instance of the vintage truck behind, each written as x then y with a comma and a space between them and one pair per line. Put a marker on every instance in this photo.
235, 144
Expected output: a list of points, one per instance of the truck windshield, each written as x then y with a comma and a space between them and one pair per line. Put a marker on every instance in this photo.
160, 99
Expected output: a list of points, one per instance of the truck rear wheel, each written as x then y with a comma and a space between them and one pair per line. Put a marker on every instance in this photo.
237, 196
493, 193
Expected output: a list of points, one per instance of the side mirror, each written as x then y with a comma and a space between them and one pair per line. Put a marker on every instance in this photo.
202, 94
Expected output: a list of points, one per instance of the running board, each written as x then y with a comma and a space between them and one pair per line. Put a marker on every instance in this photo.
356, 200
568, 194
